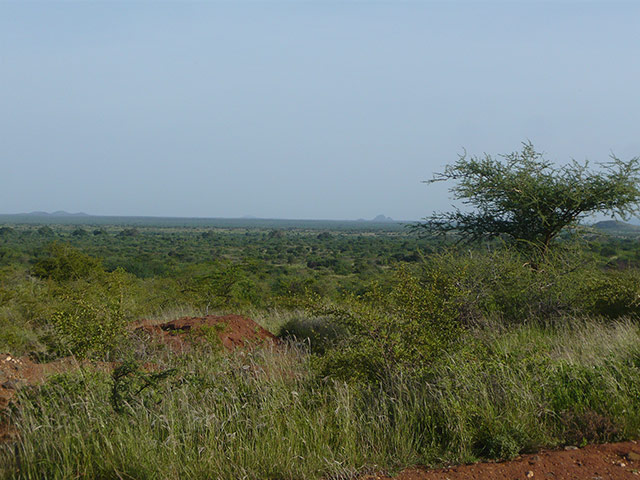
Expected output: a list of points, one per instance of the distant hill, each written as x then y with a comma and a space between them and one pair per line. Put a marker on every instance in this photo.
58, 213
382, 218
377, 219
616, 226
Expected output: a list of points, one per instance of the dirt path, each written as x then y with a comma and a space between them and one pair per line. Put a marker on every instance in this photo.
614, 461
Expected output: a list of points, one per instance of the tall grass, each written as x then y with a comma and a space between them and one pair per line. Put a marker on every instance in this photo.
266, 414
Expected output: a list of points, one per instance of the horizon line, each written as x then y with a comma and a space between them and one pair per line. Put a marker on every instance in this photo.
63, 213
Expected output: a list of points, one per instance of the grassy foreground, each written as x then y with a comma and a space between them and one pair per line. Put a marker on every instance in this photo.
267, 414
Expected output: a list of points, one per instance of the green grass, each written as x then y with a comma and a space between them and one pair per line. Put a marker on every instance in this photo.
266, 414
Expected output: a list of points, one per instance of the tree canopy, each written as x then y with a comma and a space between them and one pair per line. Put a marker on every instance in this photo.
525, 198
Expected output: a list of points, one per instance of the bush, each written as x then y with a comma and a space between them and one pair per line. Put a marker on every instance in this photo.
89, 330
65, 263
403, 329
91, 320
318, 333
17, 337
505, 284
614, 293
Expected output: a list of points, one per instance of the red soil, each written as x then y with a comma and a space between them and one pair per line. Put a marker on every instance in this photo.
593, 462
16, 373
234, 331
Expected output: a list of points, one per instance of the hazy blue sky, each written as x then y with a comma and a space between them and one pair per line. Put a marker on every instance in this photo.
311, 109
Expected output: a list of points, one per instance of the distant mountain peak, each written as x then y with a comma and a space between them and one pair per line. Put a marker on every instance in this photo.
382, 218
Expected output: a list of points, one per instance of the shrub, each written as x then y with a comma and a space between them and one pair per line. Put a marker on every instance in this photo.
403, 329
318, 333
211, 335
65, 263
17, 337
505, 284
220, 285
89, 330
91, 319
614, 293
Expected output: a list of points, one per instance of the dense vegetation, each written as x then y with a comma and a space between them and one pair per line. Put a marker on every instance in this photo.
164, 270
401, 349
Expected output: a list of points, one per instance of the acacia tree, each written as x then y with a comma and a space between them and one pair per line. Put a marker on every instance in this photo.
526, 199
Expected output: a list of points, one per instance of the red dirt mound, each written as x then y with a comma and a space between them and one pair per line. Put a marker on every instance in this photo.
234, 331
611, 461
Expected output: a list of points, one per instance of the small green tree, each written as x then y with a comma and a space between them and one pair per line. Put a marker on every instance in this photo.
526, 199
91, 321
65, 263
403, 328
216, 287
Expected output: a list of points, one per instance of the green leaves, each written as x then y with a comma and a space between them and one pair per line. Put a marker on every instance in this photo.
92, 317
401, 329
65, 263
525, 198
89, 329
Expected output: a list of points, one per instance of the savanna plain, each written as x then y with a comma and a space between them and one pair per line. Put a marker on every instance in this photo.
155, 349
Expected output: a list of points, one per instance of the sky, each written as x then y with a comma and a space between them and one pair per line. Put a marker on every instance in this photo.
315, 109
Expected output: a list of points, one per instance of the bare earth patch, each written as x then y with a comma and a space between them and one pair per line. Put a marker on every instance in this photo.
611, 461
17, 372
234, 331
